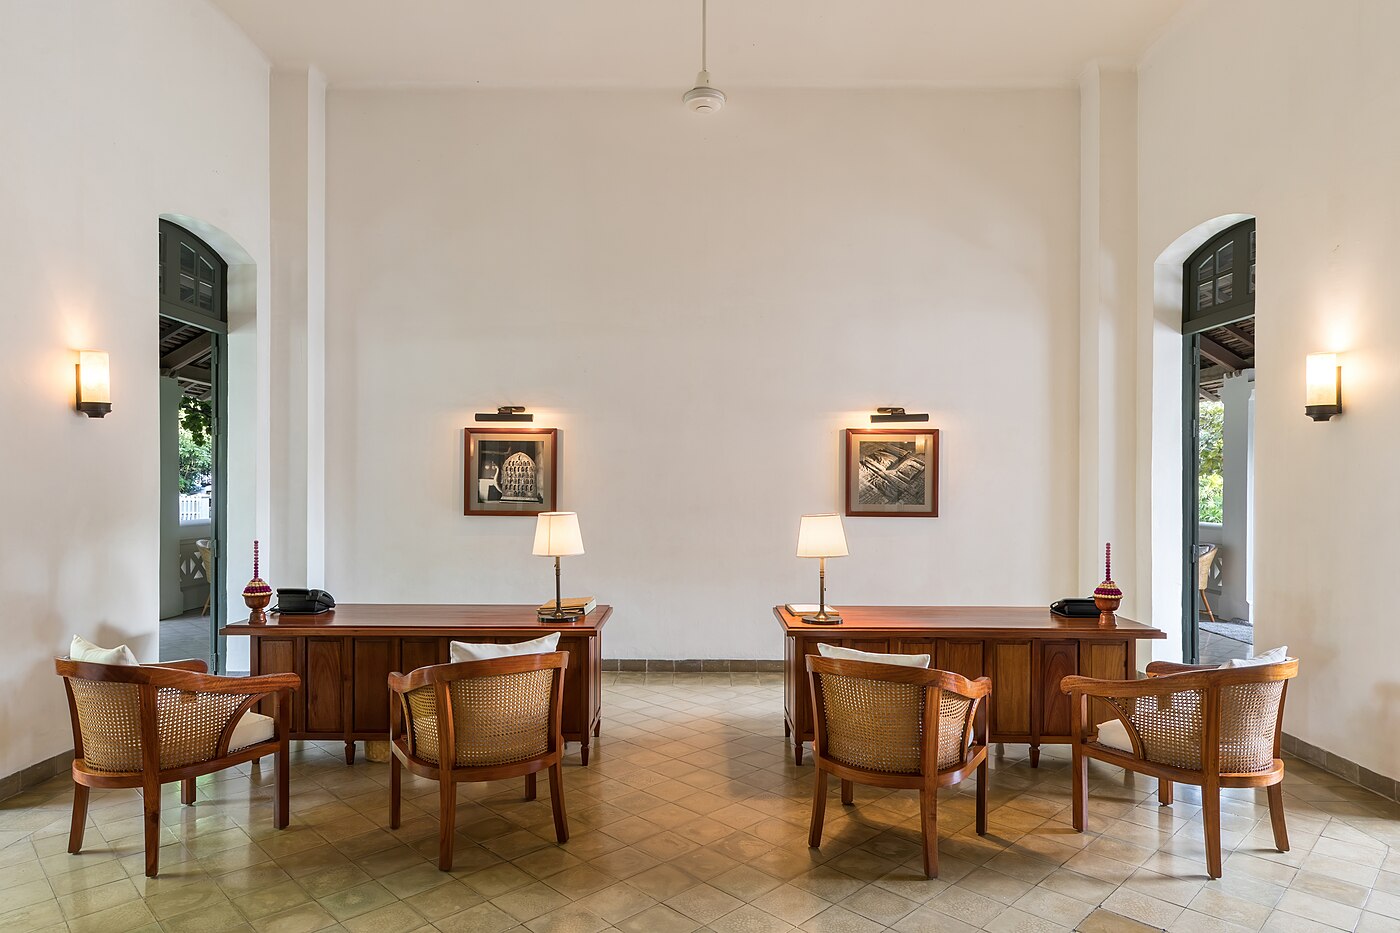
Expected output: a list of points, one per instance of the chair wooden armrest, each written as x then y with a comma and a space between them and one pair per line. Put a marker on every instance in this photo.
187, 664
1158, 668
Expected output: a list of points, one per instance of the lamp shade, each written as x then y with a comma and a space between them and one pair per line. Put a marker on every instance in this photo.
821, 536
557, 535
1322, 379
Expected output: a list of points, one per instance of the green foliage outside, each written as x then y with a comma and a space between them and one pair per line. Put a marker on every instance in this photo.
1211, 460
196, 451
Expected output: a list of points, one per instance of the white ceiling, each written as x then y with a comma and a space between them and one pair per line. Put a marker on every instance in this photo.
655, 43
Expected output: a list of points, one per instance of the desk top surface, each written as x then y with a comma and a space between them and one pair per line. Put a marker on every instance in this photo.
978, 621
353, 618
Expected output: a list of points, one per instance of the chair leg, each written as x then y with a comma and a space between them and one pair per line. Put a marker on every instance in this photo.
281, 806
1210, 815
1206, 599
982, 798
1164, 792
556, 801
187, 792
447, 818
395, 791
848, 792
1276, 817
150, 804
1079, 798
814, 835
928, 817
80, 805
530, 790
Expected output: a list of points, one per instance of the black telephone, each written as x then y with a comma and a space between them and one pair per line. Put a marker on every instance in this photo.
292, 601
1074, 608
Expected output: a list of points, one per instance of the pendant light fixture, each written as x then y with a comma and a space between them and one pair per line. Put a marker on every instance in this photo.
702, 98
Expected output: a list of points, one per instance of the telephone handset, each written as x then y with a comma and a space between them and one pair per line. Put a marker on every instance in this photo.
292, 601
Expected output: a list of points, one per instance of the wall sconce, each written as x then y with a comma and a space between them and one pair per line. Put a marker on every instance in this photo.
887, 415
94, 397
1324, 386
505, 413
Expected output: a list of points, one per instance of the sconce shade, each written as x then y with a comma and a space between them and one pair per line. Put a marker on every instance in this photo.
557, 535
1324, 396
94, 383
821, 536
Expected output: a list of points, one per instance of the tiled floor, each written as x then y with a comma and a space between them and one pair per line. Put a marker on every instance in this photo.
186, 636
1217, 649
692, 816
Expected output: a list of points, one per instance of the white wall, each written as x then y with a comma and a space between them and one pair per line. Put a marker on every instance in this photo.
701, 305
117, 113
1309, 144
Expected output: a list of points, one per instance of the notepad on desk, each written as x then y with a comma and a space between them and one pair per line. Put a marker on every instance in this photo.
578, 605
798, 609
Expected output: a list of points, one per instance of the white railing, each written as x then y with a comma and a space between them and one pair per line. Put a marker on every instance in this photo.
194, 508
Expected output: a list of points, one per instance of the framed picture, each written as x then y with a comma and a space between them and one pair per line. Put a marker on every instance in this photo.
511, 472
892, 472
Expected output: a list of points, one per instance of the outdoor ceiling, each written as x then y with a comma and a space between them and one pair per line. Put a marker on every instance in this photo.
655, 43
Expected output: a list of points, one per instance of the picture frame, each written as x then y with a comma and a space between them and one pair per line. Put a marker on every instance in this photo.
510, 471
892, 473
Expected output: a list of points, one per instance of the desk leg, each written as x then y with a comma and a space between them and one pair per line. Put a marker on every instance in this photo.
349, 753
797, 750
583, 749
1035, 756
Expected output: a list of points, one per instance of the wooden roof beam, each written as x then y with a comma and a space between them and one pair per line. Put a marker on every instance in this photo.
1218, 354
180, 357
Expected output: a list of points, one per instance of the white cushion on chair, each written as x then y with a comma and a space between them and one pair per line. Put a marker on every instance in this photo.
1272, 656
250, 730
83, 650
1114, 734
872, 657
466, 651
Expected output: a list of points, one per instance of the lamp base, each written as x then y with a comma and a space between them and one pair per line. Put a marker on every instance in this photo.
1315, 412
821, 618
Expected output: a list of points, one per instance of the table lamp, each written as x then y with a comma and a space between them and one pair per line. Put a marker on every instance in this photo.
821, 536
556, 536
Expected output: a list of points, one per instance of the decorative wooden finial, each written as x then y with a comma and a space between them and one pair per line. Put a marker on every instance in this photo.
1107, 595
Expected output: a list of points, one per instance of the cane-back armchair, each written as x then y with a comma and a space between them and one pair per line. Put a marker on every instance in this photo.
1188, 724
153, 724
889, 725
478, 721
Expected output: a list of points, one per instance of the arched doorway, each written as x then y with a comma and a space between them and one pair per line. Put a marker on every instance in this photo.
1218, 288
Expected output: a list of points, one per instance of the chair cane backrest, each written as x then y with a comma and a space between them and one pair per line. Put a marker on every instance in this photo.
873, 716
105, 701
498, 718
1171, 725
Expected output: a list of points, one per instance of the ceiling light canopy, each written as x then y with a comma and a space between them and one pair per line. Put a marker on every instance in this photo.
703, 98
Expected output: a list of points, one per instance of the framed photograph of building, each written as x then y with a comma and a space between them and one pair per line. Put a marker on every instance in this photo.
892, 473
511, 471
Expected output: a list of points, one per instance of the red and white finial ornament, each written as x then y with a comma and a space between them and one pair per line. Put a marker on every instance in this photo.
1107, 595
257, 594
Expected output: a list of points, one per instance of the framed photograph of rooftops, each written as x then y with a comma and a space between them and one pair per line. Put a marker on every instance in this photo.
511, 472
892, 473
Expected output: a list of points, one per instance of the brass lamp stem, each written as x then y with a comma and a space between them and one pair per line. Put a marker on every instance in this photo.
821, 575
558, 602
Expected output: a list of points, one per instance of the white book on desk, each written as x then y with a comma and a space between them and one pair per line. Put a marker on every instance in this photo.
799, 609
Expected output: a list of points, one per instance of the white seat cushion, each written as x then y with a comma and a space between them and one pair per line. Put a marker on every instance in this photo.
1272, 656
872, 657
466, 651
250, 730
83, 650
1114, 734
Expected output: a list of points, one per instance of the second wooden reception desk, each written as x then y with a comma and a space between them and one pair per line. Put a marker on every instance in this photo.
344, 658
1024, 651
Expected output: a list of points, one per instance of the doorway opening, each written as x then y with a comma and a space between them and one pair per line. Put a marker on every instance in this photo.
1218, 468
193, 328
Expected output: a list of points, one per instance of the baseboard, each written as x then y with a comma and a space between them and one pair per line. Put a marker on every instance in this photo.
691, 666
1342, 767
34, 775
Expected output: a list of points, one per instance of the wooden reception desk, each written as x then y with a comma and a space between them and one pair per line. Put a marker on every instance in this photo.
1025, 651
344, 658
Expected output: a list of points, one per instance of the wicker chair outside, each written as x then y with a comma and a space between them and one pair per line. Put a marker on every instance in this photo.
1189, 724
478, 721
153, 724
892, 726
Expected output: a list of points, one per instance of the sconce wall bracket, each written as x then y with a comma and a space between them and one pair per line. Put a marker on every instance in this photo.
889, 414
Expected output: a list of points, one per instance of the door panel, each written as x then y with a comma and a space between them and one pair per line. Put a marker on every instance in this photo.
960, 657
1058, 659
325, 685
374, 659
1011, 688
